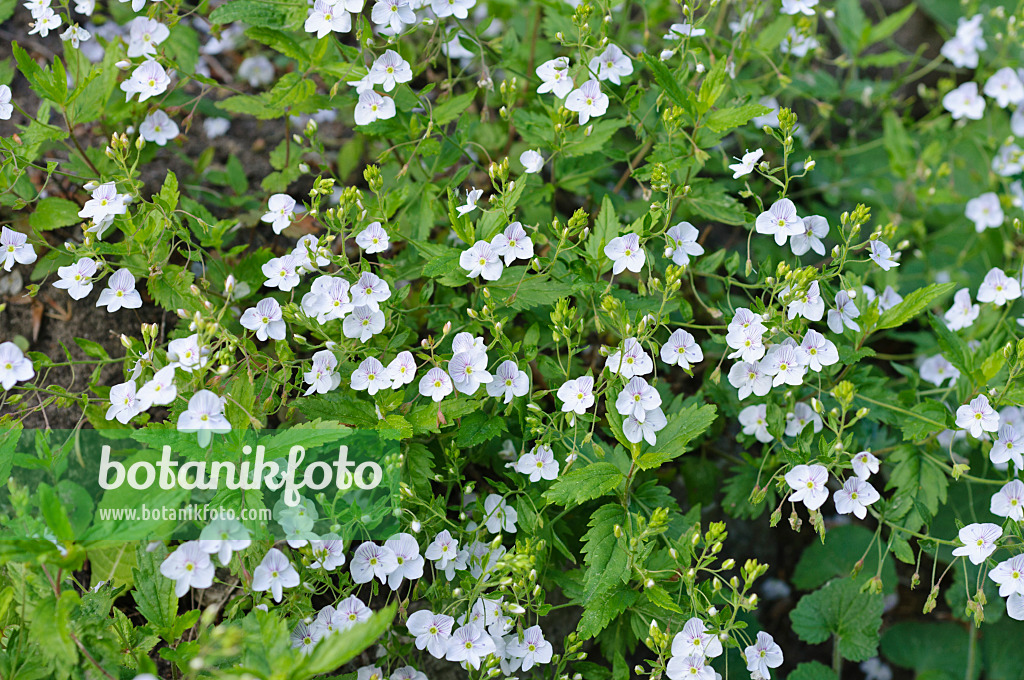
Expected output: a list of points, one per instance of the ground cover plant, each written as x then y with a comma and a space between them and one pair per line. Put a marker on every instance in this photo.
676, 339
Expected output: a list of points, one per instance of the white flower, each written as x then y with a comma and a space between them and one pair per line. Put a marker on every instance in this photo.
747, 341
281, 272
809, 484
326, 17
781, 221
809, 304
472, 196
372, 107
390, 69
304, 637
144, 34
373, 239
748, 378
370, 376
960, 53
274, 573
694, 640
746, 164
468, 644
937, 369
6, 108
1005, 87
637, 430
611, 65
481, 260
442, 550
554, 75
148, 80
682, 243
265, 319
15, 367
509, 382
321, 377
637, 398
865, 464
223, 536
351, 611
280, 212
630, 361
692, 667
815, 229
962, 314
965, 102
158, 128
763, 654
371, 561
394, 14
457, 8
105, 202
498, 515
187, 354
363, 323
844, 314
120, 292
854, 497
882, 256
189, 567
798, 44
985, 211
820, 350
625, 252
14, 247
159, 390
979, 541
407, 555
45, 21
998, 288
532, 160
431, 631
216, 127
257, 71
1009, 501
328, 299
370, 290
1010, 576
977, 416
888, 299
799, 7
1008, 446
468, 371
205, 415
123, 403
538, 464
577, 395
799, 418
588, 101
534, 649
435, 384
513, 244
1008, 161
681, 350
75, 35
402, 369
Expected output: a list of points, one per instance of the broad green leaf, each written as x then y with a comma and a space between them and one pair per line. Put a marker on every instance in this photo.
606, 227
154, 592
722, 120
344, 646
604, 554
54, 213
601, 611
682, 428
839, 609
889, 25
669, 82
812, 670
913, 304
264, 13
583, 484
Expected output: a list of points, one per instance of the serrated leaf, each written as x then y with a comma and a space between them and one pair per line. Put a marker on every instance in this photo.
839, 609
601, 611
584, 484
913, 304
265, 13
606, 227
394, 426
954, 349
479, 428
604, 554
54, 213
812, 670
682, 428
154, 592
344, 646
722, 120
663, 76
929, 416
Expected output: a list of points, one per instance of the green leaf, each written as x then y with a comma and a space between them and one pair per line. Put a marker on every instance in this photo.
92, 349
54, 213
265, 13
913, 644
889, 25
453, 107
912, 305
583, 484
154, 592
915, 476
394, 426
478, 428
339, 405
43, 81
54, 513
930, 416
604, 554
669, 83
735, 116
424, 417
841, 610
292, 93
606, 227
682, 428
953, 346
600, 612
812, 670
838, 555
344, 646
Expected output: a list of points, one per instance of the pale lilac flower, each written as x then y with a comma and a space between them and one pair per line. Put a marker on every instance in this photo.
105, 202
888, 299
189, 567
15, 367
763, 654
432, 631
971, 32
626, 253
809, 484
468, 644
748, 379
554, 75
1008, 446
187, 354
6, 108
588, 101
371, 560
808, 304
442, 550
798, 44
274, 573
159, 390
979, 541
205, 415
1009, 501
305, 637
224, 536
513, 244
695, 640
481, 259
265, 319
498, 515
407, 555
373, 107
815, 229
472, 196
534, 649
692, 667
352, 611
14, 247
280, 211
1005, 87
402, 369
45, 21
394, 14
257, 70
637, 398
363, 323
144, 34
681, 349
373, 239
148, 80
998, 288
801, 416
1009, 575
962, 314
120, 292
509, 382
781, 221
124, 404
865, 464
882, 256
754, 420
682, 243
322, 376
370, 290
637, 430
389, 70
785, 366
978, 416
965, 102
435, 384
960, 53
370, 376
799, 7
577, 395
746, 164
855, 496
281, 272
532, 160
630, 361
611, 65
820, 350
158, 128
538, 464
457, 8
985, 211
747, 341
468, 371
